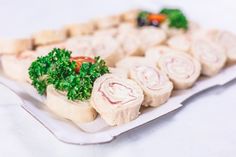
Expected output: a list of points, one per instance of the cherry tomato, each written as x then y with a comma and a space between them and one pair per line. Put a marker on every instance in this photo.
80, 60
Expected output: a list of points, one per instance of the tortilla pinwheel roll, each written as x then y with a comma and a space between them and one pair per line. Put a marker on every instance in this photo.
130, 44
16, 66
181, 68
150, 37
76, 111
211, 56
107, 22
128, 62
15, 46
171, 31
106, 47
49, 37
226, 40
112, 32
155, 84
85, 28
130, 16
119, 72
179, 42
154, 53
116, 99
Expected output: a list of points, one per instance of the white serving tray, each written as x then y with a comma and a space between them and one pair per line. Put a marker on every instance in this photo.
98, 131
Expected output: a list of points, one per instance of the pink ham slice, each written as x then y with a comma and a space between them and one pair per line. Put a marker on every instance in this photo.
116, 99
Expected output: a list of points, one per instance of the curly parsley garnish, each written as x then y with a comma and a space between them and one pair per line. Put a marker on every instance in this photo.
176, 18
58, 69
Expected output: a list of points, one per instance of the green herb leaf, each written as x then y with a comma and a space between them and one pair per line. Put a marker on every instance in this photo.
57, 69
176, 18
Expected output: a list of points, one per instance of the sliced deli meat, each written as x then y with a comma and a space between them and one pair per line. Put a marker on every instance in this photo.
116, 99
156, 85
211, 56
76, 111
182, 69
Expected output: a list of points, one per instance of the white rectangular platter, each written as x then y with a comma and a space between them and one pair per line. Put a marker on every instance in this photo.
98, 131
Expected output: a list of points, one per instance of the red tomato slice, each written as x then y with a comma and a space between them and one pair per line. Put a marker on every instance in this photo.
80, 60
158, 17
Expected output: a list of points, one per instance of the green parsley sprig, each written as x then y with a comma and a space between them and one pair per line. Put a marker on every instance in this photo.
57, 69
176, 18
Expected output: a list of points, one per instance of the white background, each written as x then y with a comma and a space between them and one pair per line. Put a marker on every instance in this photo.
204, 127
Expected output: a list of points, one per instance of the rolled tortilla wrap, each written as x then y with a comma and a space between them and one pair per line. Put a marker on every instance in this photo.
126, 27
153, 54
116, 99
85, 28
130, 16
107, 22
106, 32
76, 111
16, 66
49, 37
80, 45
170, 31
211, 56
129, 62
119, 72
108, 48
181, 68
179, 42
130, 44
45, 49
155, 84
15, 46
150, 37
227, 40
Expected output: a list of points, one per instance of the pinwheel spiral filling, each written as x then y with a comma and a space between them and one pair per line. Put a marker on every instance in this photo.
149, 77
207, 53
180, 67
116, 93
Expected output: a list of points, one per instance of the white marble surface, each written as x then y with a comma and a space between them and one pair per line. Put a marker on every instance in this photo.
204, 127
